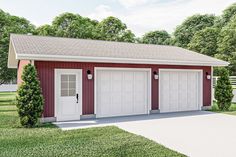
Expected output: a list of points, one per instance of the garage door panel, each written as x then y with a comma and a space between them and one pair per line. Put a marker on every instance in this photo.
125, 91
164, 87
173, 81
179, 90
192, 91
182, 93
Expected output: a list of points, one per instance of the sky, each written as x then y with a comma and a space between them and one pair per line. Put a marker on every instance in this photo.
140, 16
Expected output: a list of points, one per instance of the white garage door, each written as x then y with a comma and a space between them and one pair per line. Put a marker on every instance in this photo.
121, 92
180, 90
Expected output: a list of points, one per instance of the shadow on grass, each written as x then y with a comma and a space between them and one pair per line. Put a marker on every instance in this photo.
7, 101
10, 119
7, 110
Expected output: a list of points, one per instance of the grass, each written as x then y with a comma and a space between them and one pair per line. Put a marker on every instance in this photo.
232, 109
48, 140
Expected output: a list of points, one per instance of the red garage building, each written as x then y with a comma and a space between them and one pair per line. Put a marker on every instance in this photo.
90, 78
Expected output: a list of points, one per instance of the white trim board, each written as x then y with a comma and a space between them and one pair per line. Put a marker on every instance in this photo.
70, 58
212, 94
149, 94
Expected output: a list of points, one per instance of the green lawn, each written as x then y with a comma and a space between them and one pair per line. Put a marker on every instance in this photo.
47, 140
232, 109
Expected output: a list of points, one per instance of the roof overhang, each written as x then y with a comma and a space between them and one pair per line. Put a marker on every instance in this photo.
14, 56
114, 60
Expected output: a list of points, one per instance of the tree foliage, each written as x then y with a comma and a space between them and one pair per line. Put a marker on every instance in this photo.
45, 30
29, 98
228, 13
156, 37
184, 32
74, 26
227, 38
10, 24
113, 29
205, 41
227, 44
223, 90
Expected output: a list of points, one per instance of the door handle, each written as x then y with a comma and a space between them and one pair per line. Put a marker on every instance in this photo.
77, 97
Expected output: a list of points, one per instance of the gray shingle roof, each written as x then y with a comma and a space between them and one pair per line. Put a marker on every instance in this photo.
29, 46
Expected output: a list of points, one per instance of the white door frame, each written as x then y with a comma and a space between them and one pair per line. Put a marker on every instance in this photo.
149, 95
56, 90
200, 89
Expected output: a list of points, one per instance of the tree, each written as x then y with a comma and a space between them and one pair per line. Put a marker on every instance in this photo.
227, 38
227, 44
3, 20
223, 90
74, 26
205, 41
184, 32
127, 36
45, 30
228, 13
10, 24
112, 29
29, 98
156, 37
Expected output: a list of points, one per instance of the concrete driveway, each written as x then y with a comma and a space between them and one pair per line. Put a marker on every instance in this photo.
197, 134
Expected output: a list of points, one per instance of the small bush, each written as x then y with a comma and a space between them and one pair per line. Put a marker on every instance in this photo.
29, 98
223, 90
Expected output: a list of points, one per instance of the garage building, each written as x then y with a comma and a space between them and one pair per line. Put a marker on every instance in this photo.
93, 79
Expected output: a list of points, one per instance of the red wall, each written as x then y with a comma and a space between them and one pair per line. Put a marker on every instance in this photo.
21, 65
46, 76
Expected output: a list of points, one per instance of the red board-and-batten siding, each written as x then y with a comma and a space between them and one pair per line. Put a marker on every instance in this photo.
46, 76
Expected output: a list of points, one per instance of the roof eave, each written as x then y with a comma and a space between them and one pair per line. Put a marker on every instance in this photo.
114, 60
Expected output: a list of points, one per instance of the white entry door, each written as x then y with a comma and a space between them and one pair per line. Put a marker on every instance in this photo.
68, 90
121, 92
180, 90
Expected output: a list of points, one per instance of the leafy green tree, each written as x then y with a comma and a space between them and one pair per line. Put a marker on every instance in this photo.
10, 24
3, 20
227, 38
228, 13
45, 30
223, 90
205, 41
232, 63
127, 36
184, 32
112, 29
227, 44
156, 37
29, 98
74, 26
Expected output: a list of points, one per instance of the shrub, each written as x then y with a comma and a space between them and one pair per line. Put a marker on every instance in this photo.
29, 98
223, 90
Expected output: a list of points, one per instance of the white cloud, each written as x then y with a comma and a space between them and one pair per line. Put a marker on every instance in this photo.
159, 14
170, 14
101, 12
132, 3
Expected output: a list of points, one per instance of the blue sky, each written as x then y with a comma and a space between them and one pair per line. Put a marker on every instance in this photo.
140, 15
